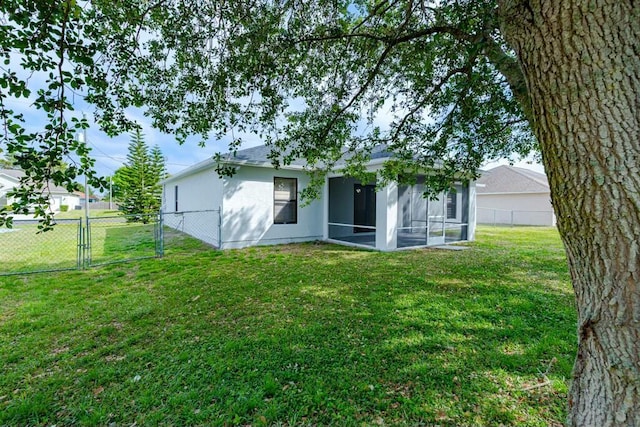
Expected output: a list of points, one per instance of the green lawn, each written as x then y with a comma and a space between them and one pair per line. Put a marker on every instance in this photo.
296, 335
112, 239
23, 249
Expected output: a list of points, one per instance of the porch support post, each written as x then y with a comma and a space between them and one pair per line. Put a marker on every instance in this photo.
471, 228
387, 217
325, 209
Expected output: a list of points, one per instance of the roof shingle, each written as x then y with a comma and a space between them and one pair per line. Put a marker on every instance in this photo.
510, 179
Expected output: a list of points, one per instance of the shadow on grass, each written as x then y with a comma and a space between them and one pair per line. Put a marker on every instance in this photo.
299, 335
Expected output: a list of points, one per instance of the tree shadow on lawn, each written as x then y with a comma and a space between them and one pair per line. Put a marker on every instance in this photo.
326, 336
435, 356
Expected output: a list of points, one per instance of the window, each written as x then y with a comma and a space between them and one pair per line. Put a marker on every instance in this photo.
175, 193
285, 200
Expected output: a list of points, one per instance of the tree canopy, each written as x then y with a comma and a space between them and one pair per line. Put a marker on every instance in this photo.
314, 79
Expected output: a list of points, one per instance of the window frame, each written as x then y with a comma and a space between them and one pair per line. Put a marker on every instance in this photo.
287, 202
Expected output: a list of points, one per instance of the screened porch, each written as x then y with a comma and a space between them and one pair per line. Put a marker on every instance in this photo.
395, 216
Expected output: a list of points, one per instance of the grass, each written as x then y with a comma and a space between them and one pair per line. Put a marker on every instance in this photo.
112, 239
80, 213
296, 335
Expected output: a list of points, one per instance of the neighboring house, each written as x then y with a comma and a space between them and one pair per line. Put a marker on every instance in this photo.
82, 197
517, 196
260, 205
58, 196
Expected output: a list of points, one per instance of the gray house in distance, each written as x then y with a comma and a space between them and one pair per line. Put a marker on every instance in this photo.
515, 196
260, 205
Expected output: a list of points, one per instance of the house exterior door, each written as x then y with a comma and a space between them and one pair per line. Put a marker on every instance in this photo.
436, 221
364, 207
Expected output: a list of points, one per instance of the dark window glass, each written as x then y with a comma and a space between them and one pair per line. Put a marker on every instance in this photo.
285, 200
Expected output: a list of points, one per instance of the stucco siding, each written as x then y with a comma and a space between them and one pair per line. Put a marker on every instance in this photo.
197, 192
199, 200
248, 210
516, 209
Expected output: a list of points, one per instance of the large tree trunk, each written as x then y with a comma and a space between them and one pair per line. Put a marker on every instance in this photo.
581, 62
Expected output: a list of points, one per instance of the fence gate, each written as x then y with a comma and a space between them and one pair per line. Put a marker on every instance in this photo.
118, 238
85, 242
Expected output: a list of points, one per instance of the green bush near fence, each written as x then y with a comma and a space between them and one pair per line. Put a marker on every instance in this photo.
64, 208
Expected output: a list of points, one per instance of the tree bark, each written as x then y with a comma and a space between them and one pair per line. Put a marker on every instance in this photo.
581, 63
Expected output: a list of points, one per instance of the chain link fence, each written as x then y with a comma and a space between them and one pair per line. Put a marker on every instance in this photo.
86, 242
24, 250
120, 238
180, 227
514, 217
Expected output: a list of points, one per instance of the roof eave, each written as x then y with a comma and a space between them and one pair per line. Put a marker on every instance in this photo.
198, 167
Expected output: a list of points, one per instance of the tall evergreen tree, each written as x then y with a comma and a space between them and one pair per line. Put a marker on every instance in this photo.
158, 170
137, 183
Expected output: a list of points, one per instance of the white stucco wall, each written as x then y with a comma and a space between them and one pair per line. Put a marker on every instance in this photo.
516, 209
199, 191
199, 201
247, 217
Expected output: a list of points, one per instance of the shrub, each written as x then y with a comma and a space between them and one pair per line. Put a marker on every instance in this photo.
64, 208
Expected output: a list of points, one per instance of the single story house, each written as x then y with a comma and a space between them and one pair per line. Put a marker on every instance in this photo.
515, 196
58, 196
260, 205
82, 197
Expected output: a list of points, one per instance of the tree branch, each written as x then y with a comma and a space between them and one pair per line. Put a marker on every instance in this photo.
510, 69
435, 89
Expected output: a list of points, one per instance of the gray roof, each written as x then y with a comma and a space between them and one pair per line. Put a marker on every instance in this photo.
260, 154
510, 179
13, 173
17, 174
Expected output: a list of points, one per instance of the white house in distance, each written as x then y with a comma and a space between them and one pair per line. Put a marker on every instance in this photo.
259, 205
515, 196
58, 196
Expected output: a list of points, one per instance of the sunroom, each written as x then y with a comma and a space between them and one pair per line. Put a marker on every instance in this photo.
397, 216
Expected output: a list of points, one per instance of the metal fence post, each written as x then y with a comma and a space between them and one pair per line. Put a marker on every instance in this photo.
83, 246
80, 245
160, 235
88, 245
